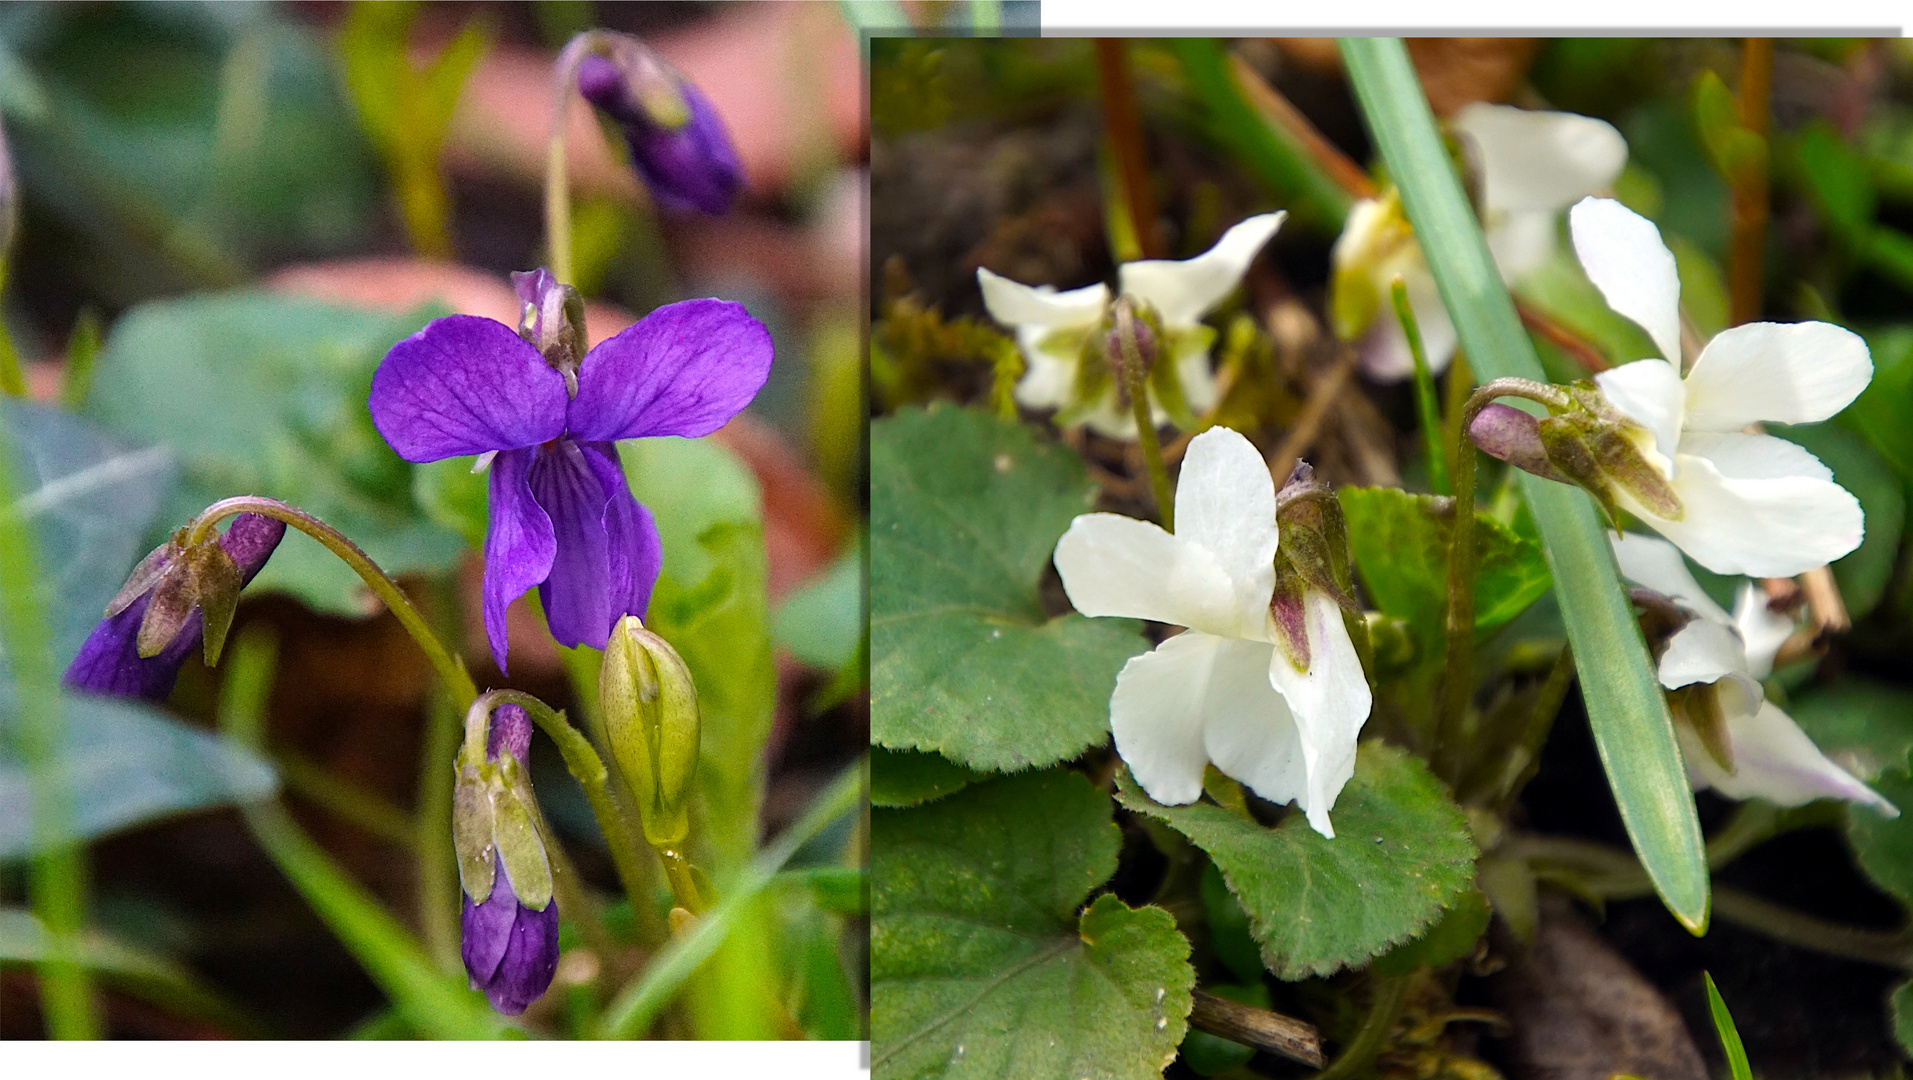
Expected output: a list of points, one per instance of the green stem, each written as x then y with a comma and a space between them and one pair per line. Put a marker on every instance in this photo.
1390, 991
451, 670
1136, 383
438, 886
631, 1014
557, 173
677, 870
1890, 949
1457, 677
13, 382
58, 883
1425, 409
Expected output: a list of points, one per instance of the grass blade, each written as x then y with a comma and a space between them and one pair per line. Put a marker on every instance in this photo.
1632, 728
1737, 1066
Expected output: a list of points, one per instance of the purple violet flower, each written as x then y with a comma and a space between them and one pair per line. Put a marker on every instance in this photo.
677, 140
510, 950
562, 516
110, 663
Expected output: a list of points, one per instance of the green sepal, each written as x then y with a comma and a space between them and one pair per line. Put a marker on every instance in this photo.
1698, 706
1165, 381
173, 600
1289, 615
143, 577
1621, 458
472, 832
520, 847
217, 581
1095, 376
1352, 302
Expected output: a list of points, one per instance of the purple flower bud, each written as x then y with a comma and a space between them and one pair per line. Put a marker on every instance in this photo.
110, 663
677, 140
510, 951
1507, 434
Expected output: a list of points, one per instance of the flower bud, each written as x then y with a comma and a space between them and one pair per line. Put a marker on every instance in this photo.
1583, 441
1311, 554
651, 722
1505, 433
510, 920
677, 141
174, 599
553, 321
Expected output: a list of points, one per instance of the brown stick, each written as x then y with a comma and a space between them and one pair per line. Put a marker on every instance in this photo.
1339, 166
1124, 125
1322, 397
1566, 340
1278, 1034
1748, 243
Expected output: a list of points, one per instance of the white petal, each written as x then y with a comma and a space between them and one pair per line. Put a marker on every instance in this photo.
1656, 564
1788, 373
1183, 292
1384, 349
1013, 303
1756, 505
1156, 715
1520, 240
1774, 760
1650, 392
1115, 565
1049, 376
1330, 702
1247, 727
1198, 381
1624, 258
1542, 161
1225, 504
1703, 651
1762, 629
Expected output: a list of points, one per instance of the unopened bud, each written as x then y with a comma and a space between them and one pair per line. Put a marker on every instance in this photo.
651, 722
1505, 433
677, 141
510, 921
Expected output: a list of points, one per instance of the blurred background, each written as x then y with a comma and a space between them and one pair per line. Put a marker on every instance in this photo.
224, 214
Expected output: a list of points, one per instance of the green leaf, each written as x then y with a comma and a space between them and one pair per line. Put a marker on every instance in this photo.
823, 622
265, 395
1883, 846
978, 960
1864, 725
1401, 552
1229, 936
1633, 731
1730, 1045
146, 975
1451, 939
126, 763
1902, 1005
1737, 153
92, 502
1863, 573
1881, 412
965, 509
909, 777
454, 496
1836, 178
1401, 855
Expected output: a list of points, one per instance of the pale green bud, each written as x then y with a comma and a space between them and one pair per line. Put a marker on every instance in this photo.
651, 721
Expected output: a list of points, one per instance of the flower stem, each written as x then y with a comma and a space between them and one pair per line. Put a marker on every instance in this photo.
1389, 992
438, 886
1425, 409
557, 176
451, 670
1525, 755
588, 768
1136, 383
1748, 243
677, 869
1124, 127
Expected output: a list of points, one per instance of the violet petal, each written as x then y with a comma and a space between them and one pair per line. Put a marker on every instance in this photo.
487, 928
577, 591
530, 960
684, 369
519, 545
633, 550
692, 168
465, 385
510, 734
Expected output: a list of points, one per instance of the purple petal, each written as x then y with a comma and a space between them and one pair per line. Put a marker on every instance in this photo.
531, 959
577, 592
692, 168
488, 928
251, 541
633, 550
465, 385
510, 734
519, 546
684, 369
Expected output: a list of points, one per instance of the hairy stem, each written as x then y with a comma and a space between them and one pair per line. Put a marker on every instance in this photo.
1136, 382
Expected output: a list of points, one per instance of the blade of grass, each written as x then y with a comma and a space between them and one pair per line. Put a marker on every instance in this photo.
632, 1013
1737, 1066
1632, 729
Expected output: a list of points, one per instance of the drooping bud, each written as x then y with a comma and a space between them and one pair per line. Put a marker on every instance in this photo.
510, 919
1505, 433
677, 140
553, 321
1583, 441
651, 721
1311, 554
175, 599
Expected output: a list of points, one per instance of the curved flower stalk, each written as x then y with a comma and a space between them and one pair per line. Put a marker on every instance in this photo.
546, 419
1064, 336
163, 612
510, 920
1530, 165
1732, 739
1742, 503
1274, 699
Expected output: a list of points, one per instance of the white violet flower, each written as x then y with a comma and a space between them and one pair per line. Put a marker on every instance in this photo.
1222, 691
1531, 166
1750, 503
1056, 330
1770, 757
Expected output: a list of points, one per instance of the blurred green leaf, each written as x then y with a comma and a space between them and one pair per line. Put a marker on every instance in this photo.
979, 961
840, 890
126, 764
1835, 177
92, 502
1902, 1005
909, 777
1883, 413
822, 623
965, 509
1738, 153
1401, 543
1401, 855
1863, 573
146, 975
1559, 290
825, 1003
454, 496
1883, 846
1229, 936
265, 395
1864, 724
